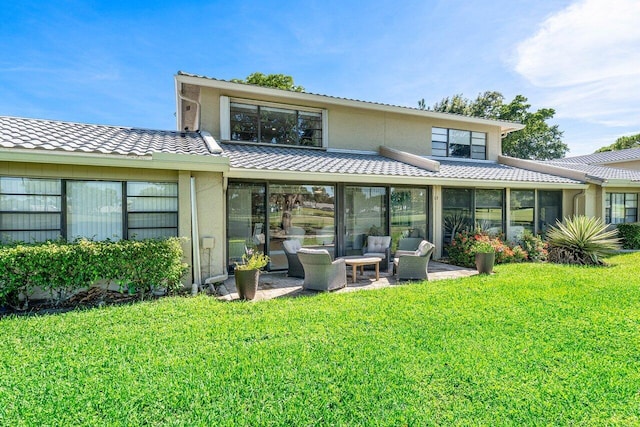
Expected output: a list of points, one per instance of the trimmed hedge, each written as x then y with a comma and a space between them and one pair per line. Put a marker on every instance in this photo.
63, 268
630, 234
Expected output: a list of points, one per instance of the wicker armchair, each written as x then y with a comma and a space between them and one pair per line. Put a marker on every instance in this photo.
414, 266
320, 272
291, 248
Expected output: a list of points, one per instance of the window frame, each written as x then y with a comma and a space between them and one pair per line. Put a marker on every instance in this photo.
59, 212
625, 208
62, 212
299, 111
442, 137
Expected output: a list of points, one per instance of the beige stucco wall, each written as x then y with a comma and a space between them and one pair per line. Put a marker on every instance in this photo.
357, 128
209, 195
211, 222
633, 165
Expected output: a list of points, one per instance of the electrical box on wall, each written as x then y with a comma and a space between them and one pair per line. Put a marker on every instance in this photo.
207, 243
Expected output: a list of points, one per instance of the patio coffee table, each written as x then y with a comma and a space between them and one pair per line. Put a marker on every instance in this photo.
360, 261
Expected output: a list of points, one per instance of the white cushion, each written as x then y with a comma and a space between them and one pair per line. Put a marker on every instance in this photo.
292, 246
313, 251
423, 248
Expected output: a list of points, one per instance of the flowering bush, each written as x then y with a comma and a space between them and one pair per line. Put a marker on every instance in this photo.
533, 245
252, 261
466, 244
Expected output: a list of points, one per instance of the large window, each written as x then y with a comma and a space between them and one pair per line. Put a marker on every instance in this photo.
489, 210
152, 210
549, 209
302, 212
408, 213
94, 210
275, 125
458, 143
30, 209
621, 207
523, 205
365, 215
245, 220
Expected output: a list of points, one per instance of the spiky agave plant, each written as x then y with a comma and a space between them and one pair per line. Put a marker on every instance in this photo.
581, 240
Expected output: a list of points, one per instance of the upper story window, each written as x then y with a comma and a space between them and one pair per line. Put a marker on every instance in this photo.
458, 143
274, 125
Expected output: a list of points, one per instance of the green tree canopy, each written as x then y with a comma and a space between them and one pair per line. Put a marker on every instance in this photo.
538, 140
632, 141
278, 81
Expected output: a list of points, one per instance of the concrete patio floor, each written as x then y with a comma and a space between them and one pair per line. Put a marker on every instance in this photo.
278, 285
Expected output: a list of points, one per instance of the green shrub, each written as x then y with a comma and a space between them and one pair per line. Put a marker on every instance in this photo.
533, 245
630, 235
461, 250
581, 240
62, 268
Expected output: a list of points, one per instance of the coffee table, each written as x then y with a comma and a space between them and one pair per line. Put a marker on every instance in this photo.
360, 261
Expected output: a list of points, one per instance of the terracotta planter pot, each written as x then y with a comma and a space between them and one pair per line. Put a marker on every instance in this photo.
247, 283
484, 262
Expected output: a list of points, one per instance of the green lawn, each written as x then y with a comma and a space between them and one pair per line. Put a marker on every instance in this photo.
532, 344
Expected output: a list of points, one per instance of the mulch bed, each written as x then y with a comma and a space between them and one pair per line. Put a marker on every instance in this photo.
92, 298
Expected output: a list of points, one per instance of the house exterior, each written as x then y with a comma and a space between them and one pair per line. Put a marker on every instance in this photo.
251, 167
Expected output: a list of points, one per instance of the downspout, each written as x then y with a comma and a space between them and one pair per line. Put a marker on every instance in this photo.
197, 276
575, 201
196, 125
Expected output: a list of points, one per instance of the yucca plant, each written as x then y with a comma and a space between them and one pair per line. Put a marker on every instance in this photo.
581, 240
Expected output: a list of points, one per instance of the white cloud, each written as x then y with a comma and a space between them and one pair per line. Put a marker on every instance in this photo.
586, 58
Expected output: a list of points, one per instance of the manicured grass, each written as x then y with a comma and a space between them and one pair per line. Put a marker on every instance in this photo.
533, 344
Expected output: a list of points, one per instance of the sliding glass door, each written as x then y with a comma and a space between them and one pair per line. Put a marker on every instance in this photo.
245, 220
302, 212
365, 214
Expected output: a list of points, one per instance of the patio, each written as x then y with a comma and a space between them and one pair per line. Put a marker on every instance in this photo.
278, 285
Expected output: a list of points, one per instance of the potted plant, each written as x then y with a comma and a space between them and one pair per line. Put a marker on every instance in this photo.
485, 256
247, 273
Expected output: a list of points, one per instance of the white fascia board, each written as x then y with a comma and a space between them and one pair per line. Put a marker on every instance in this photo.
302, 97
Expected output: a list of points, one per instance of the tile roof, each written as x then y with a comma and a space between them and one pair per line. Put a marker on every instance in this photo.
247, 156
99, 139
601, 172
604, 157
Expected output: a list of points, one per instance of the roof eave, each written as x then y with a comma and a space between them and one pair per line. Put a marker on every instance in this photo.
166, 161
274, 174
505, 127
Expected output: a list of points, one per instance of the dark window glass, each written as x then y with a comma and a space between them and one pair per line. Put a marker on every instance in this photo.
271, 125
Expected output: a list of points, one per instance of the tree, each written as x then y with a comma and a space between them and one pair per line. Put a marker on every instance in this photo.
278, 81
538, 140
632, 141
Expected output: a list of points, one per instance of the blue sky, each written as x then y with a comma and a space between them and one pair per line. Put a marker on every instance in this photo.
112, 62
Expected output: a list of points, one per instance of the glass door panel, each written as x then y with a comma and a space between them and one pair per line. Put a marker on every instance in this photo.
302, 212
245, 220
365, 214
408, 214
